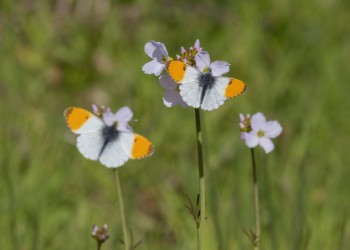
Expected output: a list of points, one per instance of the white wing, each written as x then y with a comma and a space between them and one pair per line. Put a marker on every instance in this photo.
191, 74
117, 152
191, 93
215, 96
90, 144
190, 90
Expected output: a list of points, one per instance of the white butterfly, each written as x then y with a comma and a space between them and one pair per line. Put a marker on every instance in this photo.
204, 87
109, 140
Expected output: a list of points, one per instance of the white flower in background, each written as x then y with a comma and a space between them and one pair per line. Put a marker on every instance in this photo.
257, 131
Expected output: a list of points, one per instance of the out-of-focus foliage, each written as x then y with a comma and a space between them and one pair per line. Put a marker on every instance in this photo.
293, 55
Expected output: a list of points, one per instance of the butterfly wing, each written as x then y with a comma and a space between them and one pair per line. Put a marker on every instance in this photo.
141, 147
90, 140
234, 87
116, 152
126, 146
90, 144
81, 121
224, 87
187, 76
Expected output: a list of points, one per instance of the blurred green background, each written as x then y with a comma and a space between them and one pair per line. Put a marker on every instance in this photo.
294, 55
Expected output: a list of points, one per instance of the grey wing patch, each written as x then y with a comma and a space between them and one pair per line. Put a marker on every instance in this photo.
117, 152
215, 97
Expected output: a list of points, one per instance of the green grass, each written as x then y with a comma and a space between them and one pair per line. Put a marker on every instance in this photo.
294, 57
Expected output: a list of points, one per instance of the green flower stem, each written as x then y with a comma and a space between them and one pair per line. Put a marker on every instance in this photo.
256, 241
121, 207
201, 180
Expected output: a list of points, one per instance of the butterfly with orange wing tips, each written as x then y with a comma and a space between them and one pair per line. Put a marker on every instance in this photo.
204, 87
108, 139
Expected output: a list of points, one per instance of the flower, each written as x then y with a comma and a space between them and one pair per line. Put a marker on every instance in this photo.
257, 131
159, 54
121, 117
98, 110
188, 57
217, 68
244, 125
100, 234
171, 96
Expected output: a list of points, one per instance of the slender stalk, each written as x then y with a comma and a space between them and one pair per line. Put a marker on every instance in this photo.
256, 241
99, 245
201, 179
121, 207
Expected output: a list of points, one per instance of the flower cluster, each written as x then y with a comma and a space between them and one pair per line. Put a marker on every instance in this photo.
255, 130
100, 234
194, 56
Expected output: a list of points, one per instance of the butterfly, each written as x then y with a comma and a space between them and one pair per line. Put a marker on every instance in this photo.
205, 89
108, 137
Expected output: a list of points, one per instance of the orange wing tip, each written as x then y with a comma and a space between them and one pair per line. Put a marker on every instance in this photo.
142, 147
76, 117
176, 70
235, 88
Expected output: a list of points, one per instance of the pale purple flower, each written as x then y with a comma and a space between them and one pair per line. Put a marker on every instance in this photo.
259, 132
217, 68
100, 234
159, 54
171, 96
197, 46
188, 56
244, 125
244, 121
121, 118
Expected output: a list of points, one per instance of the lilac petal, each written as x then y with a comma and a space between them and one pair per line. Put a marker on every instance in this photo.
171, 98
125, 127
197, 45
251, 139
258, 122
219, 68
156, 50
266, 144
183, 50
153, 67
94, 108
273, 129
244, 136
124, 114
167, 82
241, 117
202, 60
108, 117
94, 230
181, 102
